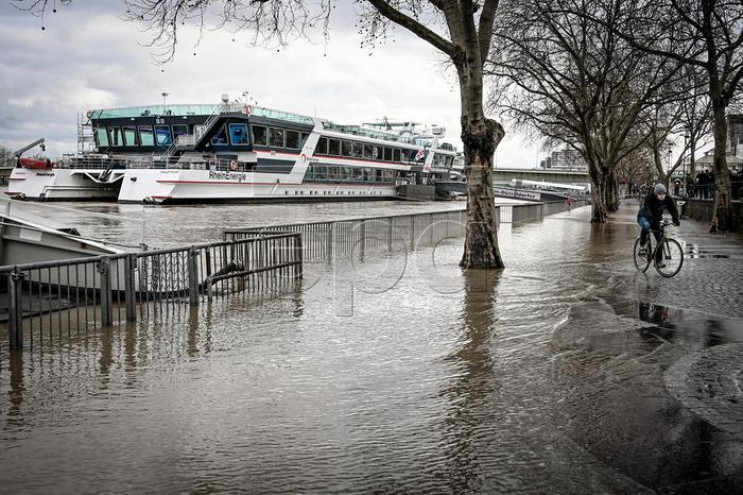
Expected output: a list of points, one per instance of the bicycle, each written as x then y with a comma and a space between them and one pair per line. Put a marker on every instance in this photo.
667, 253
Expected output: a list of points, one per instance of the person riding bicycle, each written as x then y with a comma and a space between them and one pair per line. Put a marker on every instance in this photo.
651, 214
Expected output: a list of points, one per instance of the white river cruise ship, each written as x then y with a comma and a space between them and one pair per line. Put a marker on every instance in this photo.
234, 152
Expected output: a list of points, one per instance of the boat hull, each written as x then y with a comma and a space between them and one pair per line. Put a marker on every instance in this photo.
173, 185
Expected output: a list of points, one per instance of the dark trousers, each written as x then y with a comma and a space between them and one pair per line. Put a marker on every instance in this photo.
646, 227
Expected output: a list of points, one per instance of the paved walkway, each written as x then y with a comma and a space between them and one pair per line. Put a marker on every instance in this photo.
667, 407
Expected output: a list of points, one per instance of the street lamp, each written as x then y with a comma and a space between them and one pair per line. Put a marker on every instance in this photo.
165, 98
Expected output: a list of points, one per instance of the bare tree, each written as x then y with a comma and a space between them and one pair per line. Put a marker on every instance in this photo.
635, 169
6, 157
461, 29
577, 82
707, 34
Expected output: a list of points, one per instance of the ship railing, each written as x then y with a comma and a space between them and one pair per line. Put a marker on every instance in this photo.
54, 300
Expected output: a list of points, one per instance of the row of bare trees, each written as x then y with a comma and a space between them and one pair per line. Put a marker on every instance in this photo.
619, 81
610, 78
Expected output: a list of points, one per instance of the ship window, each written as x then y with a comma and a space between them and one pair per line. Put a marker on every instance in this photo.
322, 146
357, 149
239, 134
162, 135
101, 137
180, 130
334, 147
277, 137
303, 138
292, 140
396, 155
115, 137
368, 151
146, 137
259, 135
346, 148
130, 135
220, 138
357, 175
387, 176
378, 152
334, 173
378, 175
320, 171
388, 154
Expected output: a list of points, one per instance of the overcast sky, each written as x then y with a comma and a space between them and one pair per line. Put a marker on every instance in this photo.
88, 58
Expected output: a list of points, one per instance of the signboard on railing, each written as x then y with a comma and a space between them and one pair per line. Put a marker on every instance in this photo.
517, 193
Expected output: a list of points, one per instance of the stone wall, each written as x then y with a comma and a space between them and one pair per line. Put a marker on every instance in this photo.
701, 210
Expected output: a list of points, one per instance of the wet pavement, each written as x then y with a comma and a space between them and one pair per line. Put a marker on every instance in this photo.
568, 373
661, 361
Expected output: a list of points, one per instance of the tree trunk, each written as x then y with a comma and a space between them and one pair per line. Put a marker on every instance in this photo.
598, 192
722, 219
480, 139
611, 193
598, 206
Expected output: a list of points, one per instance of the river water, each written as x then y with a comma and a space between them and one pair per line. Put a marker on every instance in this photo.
398, 374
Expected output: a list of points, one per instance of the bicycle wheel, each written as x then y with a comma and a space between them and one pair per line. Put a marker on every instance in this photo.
641, 262
671, 259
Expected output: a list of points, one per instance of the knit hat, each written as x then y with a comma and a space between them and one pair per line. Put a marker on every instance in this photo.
659, 189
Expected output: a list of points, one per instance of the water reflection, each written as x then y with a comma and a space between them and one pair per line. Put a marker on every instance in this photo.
476, 383
17, 388
653, 313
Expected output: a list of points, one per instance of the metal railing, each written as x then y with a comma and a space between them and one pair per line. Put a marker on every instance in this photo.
54, 298
362, 236
50, 300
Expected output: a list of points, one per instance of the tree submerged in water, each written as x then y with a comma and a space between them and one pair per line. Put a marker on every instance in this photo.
461, 29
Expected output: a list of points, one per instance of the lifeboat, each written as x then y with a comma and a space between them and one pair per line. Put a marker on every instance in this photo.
35, 163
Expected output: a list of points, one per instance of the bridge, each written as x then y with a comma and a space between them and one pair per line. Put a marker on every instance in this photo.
505, 175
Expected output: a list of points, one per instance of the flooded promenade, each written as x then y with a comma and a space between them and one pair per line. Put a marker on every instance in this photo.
567, 373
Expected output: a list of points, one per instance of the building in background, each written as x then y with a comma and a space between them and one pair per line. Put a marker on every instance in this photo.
565, 160
735, 135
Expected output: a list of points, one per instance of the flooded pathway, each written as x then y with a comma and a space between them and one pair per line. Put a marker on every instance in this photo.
567, 373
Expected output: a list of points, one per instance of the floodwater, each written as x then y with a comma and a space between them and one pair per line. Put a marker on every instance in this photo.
567, 373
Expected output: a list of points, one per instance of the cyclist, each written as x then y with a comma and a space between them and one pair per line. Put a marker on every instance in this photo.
651, 214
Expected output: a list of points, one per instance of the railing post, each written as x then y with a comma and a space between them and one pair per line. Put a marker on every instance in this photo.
209, 294
104, 268
412, 232
363, 240
130, 265
430, 226
15, 318
193, 279
299, 257
329, 241
389, 234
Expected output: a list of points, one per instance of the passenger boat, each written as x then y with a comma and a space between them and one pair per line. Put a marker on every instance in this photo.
235, 152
